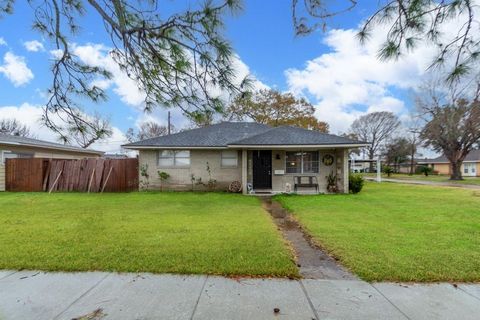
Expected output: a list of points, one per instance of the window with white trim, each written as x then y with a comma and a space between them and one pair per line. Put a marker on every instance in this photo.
229, 158
302, 162
174, 158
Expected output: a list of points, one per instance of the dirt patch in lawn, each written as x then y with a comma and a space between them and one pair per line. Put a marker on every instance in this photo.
313, 262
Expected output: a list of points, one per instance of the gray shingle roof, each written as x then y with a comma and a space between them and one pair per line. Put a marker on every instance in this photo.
23, 141
474, 155
217, 135
287, 135
243, 133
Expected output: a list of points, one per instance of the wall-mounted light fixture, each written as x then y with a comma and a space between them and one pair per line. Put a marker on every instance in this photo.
277, 156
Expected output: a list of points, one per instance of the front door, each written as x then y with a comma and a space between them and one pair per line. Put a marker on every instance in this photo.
469, 169
262, 169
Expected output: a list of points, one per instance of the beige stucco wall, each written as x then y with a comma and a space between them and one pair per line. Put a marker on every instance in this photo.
444, 168
339, 167
180, 178
2, 177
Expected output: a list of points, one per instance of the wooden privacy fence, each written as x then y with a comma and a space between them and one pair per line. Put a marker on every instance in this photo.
84, 175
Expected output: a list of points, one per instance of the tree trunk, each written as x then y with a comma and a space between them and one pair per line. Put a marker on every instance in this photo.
371, 155
456, 173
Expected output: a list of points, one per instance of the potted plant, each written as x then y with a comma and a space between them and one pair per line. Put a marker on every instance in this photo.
332, 183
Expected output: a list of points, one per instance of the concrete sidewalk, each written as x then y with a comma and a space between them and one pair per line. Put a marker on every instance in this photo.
97, 295
428, 183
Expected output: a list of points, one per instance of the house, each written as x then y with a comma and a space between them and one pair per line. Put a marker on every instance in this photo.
470, 166
21, 147
263, 158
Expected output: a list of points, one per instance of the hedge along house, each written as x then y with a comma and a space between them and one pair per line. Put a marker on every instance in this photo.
263, 158
12, 147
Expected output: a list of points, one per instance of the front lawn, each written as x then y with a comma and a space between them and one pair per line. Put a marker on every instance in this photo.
208, 233
434, 178
397, 232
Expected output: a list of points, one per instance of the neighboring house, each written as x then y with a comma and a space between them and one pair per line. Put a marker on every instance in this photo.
266, 159
115, 156
21, 147
362, 165
470, 166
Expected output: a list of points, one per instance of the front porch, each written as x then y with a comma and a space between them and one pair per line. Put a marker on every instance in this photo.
278, 170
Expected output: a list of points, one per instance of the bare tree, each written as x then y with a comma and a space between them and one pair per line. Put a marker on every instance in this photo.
15, 128
376, 128
452, 124
397, 152
181, 60
408, 23
148, 130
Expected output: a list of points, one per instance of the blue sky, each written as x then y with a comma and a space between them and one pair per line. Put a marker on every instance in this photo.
342, 79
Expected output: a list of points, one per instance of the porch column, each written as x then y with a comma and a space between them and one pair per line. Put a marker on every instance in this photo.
345, 171
244, 171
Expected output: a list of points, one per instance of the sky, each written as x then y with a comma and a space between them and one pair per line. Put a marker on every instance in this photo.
340, 77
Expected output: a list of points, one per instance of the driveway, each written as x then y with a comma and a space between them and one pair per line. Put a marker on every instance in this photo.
98, 295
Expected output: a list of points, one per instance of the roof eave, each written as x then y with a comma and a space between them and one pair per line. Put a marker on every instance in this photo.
296, 146
130, 147
17, 144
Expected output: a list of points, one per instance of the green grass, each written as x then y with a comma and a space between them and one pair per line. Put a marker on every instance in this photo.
397, 232
434, 178
208, 233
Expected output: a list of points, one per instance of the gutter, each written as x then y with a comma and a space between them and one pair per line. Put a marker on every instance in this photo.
72, 149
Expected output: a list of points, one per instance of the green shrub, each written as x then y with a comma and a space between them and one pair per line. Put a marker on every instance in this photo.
425, 170
388, 170
355, 183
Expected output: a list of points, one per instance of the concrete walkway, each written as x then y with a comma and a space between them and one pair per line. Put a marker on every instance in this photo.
428, 183
97, 295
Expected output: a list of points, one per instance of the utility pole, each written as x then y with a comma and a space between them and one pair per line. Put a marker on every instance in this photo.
168, 122
379, 170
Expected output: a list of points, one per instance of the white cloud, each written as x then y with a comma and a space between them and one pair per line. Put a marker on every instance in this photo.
126, 88
15, 69
350, 80
33, 46
30, 115
3, 42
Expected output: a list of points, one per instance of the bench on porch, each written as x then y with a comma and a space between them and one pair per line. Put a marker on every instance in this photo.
305, 182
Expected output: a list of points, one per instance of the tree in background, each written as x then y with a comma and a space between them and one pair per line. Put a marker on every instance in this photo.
148, 130
408, 23
179, 60
15, 128
275, 109
376, 128
452, 124
397, 151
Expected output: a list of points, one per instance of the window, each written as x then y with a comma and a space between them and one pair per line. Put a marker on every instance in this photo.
172, 158
5, 154
229, 158
302, 162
